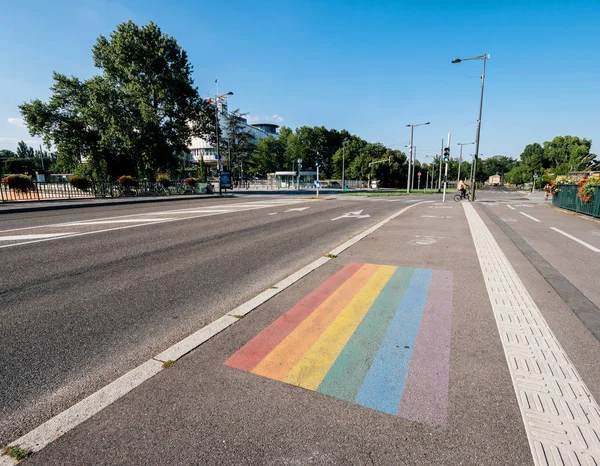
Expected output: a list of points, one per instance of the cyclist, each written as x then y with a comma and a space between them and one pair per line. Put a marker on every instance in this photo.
462, 187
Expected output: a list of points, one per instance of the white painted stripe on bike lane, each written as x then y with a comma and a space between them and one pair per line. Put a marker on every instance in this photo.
529, 216
583, 243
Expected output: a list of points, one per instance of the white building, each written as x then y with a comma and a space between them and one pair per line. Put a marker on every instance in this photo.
202, 149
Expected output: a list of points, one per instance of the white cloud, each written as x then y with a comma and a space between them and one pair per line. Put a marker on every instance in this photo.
264, 119
17, 122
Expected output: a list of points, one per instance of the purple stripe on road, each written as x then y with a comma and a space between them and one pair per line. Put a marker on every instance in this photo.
425, 396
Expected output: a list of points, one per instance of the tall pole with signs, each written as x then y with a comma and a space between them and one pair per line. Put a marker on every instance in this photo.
446, 161
318, 182
440, 180
298, 179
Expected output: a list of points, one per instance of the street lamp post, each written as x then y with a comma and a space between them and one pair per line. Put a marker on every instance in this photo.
217, 96
410, 158
461, 144
485, 58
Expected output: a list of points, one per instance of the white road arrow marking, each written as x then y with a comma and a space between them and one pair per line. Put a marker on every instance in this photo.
355, 214
297, 209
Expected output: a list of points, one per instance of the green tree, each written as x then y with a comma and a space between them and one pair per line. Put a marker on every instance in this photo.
239, 146
568, 154
24, 151
268, 156
133, 117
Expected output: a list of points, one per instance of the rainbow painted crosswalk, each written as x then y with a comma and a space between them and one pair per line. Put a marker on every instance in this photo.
374, 335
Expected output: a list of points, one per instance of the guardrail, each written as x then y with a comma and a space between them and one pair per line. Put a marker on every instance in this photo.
566, 198
64, 191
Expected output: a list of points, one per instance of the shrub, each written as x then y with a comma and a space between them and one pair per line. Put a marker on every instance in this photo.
20, 183
163, 179
587, 186
191, 182
80, 183
127, 181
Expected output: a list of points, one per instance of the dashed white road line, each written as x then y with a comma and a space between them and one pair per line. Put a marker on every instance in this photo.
60, 424
583, 243
511, 207
529, 216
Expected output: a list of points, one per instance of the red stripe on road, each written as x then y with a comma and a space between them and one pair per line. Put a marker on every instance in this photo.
261, 345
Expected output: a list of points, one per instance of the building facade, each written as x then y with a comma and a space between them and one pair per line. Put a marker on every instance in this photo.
200, 149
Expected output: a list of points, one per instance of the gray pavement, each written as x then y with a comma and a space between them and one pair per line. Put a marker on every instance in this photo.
200, 411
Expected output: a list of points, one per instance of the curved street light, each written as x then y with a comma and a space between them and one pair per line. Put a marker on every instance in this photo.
217, 96
409, 179
484, 57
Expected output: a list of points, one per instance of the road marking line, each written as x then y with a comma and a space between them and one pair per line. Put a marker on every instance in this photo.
561, 417
511, 207
209, 209
122, 220
583, 243
40, 236
217, 212
60, 424
529, 216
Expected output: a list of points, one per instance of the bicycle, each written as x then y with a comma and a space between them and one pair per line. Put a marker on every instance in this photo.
458, 197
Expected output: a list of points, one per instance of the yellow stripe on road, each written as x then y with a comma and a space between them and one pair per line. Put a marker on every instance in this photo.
277, 364
312, 368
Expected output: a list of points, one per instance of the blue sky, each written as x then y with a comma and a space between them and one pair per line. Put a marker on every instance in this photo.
371, 67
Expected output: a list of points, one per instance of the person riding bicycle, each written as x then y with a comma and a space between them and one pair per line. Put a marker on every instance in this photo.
462, 187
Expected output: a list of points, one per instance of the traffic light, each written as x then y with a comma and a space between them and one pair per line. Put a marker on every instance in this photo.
446, 154
316, 164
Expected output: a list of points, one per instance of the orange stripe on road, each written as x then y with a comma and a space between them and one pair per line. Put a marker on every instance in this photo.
256, 349
278, 363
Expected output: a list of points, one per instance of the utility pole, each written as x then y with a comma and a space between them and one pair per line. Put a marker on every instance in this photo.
447, 157
440, 180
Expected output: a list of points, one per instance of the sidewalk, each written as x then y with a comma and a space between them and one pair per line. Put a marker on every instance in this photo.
387, 354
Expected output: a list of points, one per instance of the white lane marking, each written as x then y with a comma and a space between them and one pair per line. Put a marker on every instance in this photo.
436, 216
583, 243
595, 233
511, 207
297, 209
355, 214
60, 424
25, 237
273, 213
529, 216
106, 229
121, 220
561, 417
209, 209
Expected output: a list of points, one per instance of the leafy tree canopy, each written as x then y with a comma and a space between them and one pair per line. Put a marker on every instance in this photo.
131, 118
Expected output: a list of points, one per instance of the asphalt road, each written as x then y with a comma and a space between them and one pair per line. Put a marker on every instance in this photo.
127, 281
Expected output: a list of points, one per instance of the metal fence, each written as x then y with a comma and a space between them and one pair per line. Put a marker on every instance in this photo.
64, 191
567, 198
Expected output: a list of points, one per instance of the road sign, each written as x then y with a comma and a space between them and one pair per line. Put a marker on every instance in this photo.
317, 184
535, 176
419, 174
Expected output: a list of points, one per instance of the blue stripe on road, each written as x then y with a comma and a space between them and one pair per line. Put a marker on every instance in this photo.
383, 385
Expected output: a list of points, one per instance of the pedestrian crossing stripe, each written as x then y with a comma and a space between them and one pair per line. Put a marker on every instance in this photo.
374, 335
